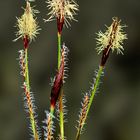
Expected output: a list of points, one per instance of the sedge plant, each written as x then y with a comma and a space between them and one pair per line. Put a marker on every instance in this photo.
62, 11
109, 41
27, 30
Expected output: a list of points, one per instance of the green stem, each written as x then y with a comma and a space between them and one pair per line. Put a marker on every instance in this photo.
96, 84
59, 49
61, 114
32, 118
27, 70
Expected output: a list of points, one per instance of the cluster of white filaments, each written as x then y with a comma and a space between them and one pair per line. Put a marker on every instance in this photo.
26, 24
113, 37
22, 62
64, 57
62, 9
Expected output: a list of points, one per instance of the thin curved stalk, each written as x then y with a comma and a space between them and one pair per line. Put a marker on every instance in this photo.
94, 90
59, 50
61, 114
29, 99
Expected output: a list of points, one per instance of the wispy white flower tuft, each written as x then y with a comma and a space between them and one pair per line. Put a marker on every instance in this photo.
62, 10
26, 24
113, 37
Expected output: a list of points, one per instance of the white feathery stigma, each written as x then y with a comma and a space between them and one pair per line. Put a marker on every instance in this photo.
62, 9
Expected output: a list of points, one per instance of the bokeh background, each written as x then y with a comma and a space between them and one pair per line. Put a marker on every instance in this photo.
115, 112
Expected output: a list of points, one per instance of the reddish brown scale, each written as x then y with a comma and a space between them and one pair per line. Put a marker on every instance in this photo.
60, 23
105, 56
26, 42
58, 82
60, 20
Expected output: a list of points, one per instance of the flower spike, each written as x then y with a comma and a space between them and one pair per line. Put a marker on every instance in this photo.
112, 39
27, 25
62, 10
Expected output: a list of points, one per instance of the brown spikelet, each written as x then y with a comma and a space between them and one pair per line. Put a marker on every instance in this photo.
28, 99
48, 128
83, 113
59, 78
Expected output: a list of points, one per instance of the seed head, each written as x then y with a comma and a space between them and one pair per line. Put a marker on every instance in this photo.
26, 24
112, 39
62, 10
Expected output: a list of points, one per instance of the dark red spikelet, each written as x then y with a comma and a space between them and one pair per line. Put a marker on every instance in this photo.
105, 55
60, 23
58, 81
26, 42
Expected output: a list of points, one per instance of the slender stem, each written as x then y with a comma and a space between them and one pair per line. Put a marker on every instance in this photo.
59, 49
27, 70
32, 117
96, 84
61, 114
78, 134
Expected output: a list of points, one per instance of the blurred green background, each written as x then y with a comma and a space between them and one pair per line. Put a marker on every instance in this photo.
115, 112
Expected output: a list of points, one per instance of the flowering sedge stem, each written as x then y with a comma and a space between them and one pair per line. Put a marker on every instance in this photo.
31, 113
96, 84
61, 114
